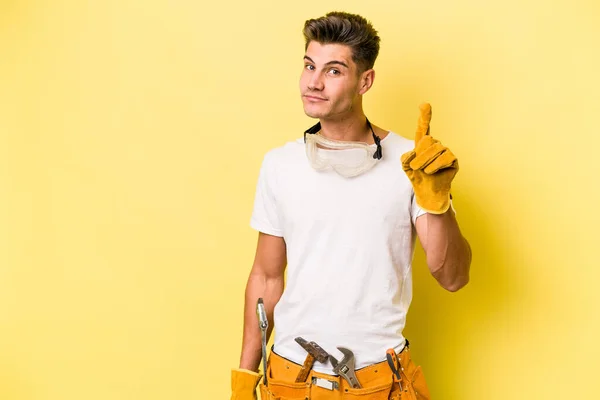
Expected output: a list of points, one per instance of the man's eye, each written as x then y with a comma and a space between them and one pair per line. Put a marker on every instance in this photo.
334, 71
309, 67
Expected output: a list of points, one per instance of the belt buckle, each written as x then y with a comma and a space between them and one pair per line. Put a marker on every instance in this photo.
325, 383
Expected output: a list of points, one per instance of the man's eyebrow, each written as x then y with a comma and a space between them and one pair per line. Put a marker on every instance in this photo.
334, 62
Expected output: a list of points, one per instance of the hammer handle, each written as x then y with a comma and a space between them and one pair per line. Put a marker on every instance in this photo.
306, 367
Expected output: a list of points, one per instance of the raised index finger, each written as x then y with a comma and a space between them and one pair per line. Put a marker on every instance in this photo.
423, 124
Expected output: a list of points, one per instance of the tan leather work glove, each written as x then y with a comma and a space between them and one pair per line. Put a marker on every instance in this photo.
430, 167
243, 384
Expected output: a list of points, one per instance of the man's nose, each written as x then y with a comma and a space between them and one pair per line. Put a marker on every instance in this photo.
316, 82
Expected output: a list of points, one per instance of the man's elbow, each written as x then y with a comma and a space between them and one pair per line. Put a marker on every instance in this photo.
456, 284
452, 278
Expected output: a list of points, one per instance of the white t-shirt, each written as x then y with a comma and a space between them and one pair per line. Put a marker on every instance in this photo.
350, 244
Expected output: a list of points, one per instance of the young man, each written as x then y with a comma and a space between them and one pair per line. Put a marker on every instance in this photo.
340, 207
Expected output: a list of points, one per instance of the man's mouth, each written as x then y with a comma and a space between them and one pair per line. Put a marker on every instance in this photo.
315, 98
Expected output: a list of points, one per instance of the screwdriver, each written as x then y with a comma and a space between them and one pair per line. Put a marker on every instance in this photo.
392, 360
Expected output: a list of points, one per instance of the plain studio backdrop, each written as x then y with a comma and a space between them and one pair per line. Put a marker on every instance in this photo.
131, 135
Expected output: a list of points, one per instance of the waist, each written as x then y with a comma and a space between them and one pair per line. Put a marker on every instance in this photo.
366, 352
285, 370
368, 344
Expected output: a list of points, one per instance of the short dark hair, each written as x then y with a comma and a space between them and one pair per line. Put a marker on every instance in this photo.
349, 29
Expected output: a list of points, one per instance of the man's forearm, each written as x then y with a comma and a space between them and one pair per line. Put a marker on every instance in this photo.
270, 289
448, 252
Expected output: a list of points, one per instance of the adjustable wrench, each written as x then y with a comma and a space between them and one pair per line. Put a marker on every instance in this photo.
345, 368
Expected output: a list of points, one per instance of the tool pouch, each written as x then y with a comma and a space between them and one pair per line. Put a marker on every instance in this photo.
376, 381
369, 391
281, 385
278, 390
414, 386
376, 384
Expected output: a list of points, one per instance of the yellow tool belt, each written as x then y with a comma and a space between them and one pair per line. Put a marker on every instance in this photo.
377, 381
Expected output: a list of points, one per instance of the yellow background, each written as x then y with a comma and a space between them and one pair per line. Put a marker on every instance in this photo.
131, 133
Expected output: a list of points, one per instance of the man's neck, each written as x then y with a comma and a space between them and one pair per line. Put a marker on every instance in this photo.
351, 129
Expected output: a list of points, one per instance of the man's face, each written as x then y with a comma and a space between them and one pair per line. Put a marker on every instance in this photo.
329, 83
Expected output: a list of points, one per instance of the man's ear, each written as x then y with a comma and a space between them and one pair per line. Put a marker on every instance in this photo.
366, 81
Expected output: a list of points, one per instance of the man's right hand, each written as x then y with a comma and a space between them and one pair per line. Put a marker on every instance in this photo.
430, 167
243, 384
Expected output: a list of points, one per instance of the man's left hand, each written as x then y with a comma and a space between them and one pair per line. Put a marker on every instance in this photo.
431, 167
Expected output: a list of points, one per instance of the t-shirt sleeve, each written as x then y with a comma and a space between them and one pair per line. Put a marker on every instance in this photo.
265, 217
415, 210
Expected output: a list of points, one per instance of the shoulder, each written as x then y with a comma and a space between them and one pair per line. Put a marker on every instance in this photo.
285, 153
396, 144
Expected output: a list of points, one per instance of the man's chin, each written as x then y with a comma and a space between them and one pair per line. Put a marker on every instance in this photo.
314, 114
